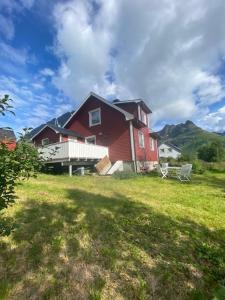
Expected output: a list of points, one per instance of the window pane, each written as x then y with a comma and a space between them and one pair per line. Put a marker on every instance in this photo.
95, 117
141, 139
45, 142
91, 140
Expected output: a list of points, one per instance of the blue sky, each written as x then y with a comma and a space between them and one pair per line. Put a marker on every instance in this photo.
171, 54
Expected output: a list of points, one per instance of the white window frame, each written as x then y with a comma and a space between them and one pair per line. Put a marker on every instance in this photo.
144, 117
152, 144
90, 137
90, 117
42, 142
141, 139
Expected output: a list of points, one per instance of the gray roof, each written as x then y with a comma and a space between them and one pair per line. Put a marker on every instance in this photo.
7, 134
117, 102
64, 131
59, 122
171, 145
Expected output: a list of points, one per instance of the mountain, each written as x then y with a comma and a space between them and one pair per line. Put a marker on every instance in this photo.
188, 136
220, 133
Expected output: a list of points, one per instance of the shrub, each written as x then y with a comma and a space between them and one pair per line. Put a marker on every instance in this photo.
198, 166
213, 152
15, 165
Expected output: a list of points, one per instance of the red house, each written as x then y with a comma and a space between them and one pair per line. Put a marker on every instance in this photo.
8, 138
118, 129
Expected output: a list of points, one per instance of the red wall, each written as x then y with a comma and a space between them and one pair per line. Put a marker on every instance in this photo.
46, 133
142, 154
10, 145
154, 154
113, 131
129, 107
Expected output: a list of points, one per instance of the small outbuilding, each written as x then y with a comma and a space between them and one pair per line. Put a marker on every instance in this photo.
7, 137
167, 150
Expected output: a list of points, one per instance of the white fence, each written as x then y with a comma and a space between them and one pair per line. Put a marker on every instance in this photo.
72, 150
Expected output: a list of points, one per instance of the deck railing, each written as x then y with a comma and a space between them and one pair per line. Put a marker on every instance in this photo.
68, 150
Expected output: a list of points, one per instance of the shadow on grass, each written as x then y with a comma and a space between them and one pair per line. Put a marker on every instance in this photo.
77, 248
212, 180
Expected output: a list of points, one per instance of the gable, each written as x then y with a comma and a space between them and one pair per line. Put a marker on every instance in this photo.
94, 97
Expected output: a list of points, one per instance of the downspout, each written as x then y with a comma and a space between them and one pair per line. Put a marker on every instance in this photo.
132, 146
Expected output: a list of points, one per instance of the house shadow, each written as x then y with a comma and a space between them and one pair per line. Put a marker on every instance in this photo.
92, 242
213, 179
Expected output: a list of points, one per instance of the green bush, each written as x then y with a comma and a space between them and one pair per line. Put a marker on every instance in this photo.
124, 174
215, 166
198, 166
213, 152
15, 165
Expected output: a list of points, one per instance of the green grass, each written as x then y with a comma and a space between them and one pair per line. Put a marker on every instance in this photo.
105, 238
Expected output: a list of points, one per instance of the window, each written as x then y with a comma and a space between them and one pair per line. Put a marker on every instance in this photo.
162, 150
45, 142
142, 116
91, 140
152, 144
141, 139
95, 117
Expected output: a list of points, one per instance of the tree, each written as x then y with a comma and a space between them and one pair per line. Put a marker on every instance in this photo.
213, 152
15, 165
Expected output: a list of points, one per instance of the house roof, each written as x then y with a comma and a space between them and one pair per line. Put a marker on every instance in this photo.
138, 101
65, 131
59, 122
127, 115
57, 129
154, 135
7, 134
170, 145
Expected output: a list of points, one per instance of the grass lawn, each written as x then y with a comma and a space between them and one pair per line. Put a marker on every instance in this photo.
105, 238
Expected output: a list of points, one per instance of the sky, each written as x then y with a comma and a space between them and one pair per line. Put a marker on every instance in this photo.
170, 53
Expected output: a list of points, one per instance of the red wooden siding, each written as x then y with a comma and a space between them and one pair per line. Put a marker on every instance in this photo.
142, 154
154, 154
46, 133
11, 145
113, 132
129, 107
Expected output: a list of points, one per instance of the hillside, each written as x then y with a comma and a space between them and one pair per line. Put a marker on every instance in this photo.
188, 136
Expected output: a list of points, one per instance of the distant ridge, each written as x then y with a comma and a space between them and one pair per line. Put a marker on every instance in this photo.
188, 136
220, 133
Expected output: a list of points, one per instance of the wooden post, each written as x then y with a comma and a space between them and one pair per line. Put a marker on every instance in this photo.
70, 170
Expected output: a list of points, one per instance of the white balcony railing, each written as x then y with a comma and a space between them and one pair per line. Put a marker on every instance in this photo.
65, 151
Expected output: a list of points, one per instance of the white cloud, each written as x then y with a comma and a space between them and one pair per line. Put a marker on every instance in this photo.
6, 27
167, 52
9, 9
215, 120
33, 106
47, 72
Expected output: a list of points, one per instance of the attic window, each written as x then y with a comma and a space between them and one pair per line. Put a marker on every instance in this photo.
142, 115
95, 117
45, 142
